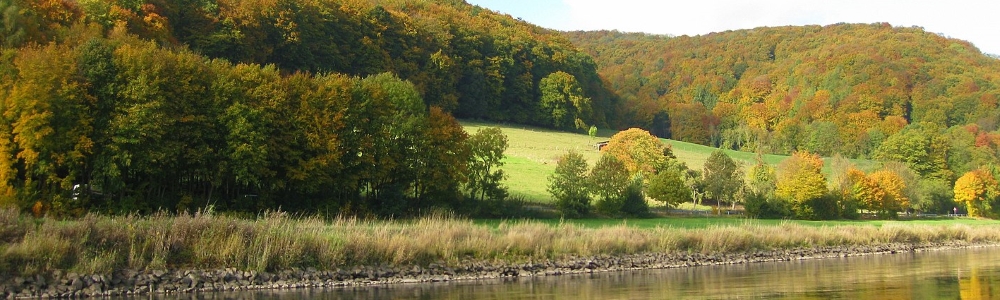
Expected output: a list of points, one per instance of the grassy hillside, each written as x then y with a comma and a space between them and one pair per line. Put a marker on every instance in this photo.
532, 155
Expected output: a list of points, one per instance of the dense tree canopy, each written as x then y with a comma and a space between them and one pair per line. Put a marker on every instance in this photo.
843, 88
122, 124
467, 60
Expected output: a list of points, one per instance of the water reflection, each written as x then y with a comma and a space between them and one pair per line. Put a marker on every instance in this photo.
952, 274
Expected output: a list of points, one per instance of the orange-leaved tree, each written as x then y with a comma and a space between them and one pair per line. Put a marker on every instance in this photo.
977, 189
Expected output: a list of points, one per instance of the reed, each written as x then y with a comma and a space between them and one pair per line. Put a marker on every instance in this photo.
277, 241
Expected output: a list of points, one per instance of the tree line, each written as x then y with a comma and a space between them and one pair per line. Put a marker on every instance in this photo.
636, 166
121, 124
337, 105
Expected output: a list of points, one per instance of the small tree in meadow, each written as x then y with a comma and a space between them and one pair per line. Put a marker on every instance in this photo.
487, 146
569, 185
609, 180
723, 177
668, 186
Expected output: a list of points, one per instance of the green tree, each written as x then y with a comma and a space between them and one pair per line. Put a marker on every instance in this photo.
723, 178
761, 178
609, 180
934, 196
563, 101
919, 148
487, 146
395, 117
443, 159
569, 185
668, 187
634, 200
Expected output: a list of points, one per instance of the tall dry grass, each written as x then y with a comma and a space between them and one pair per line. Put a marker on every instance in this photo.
275, 241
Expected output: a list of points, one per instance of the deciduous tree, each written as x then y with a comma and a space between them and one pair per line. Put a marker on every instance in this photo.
609, 180
978, 191
487, 148
563, 101
800, 181
723, 177
668, 187
638, 151
569, 185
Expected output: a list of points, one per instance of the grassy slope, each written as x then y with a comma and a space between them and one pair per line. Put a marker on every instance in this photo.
532, 154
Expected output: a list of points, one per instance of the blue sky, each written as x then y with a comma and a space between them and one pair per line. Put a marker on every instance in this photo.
977, 21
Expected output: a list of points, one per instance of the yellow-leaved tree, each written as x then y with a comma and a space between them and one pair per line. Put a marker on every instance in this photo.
638, 150
801, 182
978, 190
882, 193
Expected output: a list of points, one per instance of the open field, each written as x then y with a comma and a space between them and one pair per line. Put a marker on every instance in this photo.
532, 155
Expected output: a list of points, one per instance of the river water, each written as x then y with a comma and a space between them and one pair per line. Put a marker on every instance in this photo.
946, 274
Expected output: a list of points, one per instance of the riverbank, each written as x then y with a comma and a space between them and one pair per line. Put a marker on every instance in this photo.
131, 282
203, 252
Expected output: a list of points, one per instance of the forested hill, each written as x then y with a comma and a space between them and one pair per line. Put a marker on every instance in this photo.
339, 105
844, 88
471, 61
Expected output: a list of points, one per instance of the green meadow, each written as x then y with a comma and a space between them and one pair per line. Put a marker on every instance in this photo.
532, 154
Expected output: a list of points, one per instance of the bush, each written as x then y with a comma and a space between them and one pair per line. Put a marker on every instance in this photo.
759, 206
634, 203
825, 208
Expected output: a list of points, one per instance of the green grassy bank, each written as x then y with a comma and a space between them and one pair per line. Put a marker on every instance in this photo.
275, 241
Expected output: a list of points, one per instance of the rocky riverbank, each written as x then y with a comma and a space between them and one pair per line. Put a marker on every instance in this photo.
130, 282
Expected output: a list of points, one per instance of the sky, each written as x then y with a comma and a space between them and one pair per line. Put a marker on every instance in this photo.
976, 21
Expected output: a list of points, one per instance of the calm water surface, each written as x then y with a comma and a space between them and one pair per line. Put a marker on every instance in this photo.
950, 274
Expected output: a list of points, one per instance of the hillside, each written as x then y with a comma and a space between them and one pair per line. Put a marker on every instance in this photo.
854, 89
532, 154
332, 105
349, 105
471, 61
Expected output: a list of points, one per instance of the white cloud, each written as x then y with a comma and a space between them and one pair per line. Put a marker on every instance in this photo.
972, 20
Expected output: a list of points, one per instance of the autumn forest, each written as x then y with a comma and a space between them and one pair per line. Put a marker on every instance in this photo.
351, 106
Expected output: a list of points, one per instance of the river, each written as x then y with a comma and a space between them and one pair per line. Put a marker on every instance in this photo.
945, 274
